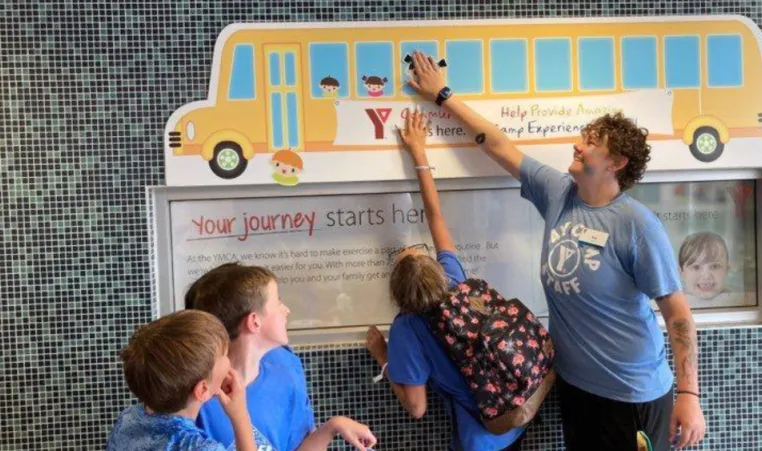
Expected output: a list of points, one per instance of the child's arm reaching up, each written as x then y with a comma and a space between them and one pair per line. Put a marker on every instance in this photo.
414, 138
233, 399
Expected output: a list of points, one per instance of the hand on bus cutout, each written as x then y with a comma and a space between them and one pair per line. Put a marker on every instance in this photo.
427, 79
414, 134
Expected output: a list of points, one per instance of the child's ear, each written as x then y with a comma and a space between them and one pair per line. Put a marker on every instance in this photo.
201, 391
251, 322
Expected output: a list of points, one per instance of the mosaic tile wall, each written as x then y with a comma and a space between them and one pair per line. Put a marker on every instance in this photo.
85, 89
730, 379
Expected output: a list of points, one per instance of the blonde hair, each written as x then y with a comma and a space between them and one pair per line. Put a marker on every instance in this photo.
418, 283
166, 358
702, 246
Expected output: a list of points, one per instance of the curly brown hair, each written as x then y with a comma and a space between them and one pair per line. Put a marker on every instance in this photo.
417, 283
623, 138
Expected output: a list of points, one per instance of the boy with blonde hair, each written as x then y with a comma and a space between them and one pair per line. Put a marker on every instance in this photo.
173, 365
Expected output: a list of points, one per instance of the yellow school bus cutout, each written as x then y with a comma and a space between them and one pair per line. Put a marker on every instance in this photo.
342, 87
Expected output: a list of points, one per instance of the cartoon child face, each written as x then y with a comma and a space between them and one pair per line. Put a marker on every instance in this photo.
329, 88
705, 279
285, 169
374, 88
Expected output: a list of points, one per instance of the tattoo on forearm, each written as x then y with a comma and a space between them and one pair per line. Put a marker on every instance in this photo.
480, 138
686, 340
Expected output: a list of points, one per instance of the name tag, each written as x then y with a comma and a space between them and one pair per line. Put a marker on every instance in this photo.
594, 237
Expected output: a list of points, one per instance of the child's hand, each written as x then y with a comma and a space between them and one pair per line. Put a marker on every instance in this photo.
414, 136
356, 434
232, 396
376, 344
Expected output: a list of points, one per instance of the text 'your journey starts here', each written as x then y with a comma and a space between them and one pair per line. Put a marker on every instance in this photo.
247, 225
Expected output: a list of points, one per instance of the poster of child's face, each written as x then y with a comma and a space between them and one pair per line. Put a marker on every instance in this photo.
711, 228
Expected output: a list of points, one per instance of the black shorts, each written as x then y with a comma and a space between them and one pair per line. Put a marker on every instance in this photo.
592, 422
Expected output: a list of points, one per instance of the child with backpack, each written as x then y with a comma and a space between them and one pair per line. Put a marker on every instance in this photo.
487, 357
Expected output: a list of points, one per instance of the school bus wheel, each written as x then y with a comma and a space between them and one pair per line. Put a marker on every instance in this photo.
228, 161
706, 145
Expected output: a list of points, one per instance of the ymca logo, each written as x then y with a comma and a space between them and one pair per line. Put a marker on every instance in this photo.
565, 258
378, 116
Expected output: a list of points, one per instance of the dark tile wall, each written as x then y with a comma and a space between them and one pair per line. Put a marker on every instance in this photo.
730, 372
85, 90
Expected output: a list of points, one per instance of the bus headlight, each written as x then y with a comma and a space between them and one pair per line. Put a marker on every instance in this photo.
190, 131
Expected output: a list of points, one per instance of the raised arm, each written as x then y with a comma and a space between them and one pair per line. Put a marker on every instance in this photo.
428, 81
414, 138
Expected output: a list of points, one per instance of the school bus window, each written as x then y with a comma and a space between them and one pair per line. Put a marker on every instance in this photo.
407, 48
552, 64
290, 63
242, 73
724, 61
639, 62
375, 69
274, 69
465, 70
329, 69
595, 63
508, 65
293, 124
277, 123
681, 61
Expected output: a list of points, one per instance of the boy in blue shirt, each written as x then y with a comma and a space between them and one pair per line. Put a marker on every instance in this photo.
173, 365
414, 357
246, 300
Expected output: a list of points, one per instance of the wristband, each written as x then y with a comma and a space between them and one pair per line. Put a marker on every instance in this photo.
687, 392
425, 168
380, 376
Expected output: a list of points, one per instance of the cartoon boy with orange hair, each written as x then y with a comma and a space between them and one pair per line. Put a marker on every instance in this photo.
287, 165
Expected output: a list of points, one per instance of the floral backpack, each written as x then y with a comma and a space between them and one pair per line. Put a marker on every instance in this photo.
502, 350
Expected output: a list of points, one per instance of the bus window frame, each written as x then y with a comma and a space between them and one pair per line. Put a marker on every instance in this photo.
527, 74
536, 86
699, 61
253, 73
614, 77
657, 59
313, 82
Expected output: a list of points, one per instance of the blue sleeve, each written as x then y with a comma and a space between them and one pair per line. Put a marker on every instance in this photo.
452, 267
303, 419
407, 363
304, 404
654, 265
541, 183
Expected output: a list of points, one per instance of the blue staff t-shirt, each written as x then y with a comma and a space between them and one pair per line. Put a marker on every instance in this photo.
416, 357
277, 402
606, 336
